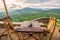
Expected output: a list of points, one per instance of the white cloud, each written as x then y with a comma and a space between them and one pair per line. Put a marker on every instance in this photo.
30, 3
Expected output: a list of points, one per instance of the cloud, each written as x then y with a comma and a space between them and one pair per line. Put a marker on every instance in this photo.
36, 1
44, 3
30, 3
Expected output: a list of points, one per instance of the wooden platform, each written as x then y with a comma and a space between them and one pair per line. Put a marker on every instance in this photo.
56, 36
2, 30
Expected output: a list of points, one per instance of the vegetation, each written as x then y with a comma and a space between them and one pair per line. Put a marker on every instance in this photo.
30, 14
58, 23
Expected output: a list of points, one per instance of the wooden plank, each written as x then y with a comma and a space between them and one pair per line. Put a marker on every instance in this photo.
30, 29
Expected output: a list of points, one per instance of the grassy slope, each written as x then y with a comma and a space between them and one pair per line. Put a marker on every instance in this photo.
33, 15
18, 17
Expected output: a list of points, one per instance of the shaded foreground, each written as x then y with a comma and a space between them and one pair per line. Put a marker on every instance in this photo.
56, 36
37, 35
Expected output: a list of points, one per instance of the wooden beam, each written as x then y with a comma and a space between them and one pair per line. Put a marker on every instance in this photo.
5, 8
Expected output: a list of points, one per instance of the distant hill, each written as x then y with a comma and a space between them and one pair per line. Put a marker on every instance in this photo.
55, 9
28, 10
31, 13
35, 10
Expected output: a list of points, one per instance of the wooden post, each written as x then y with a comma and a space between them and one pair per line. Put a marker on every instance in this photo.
8, 19
5, 8
41, 36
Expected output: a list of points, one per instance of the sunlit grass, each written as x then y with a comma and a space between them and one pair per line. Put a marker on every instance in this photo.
58, 23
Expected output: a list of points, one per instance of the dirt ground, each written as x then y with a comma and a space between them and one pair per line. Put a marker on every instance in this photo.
56, 36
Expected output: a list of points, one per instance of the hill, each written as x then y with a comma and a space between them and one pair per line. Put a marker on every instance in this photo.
31, 13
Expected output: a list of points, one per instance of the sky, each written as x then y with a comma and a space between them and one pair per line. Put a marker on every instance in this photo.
30, 3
